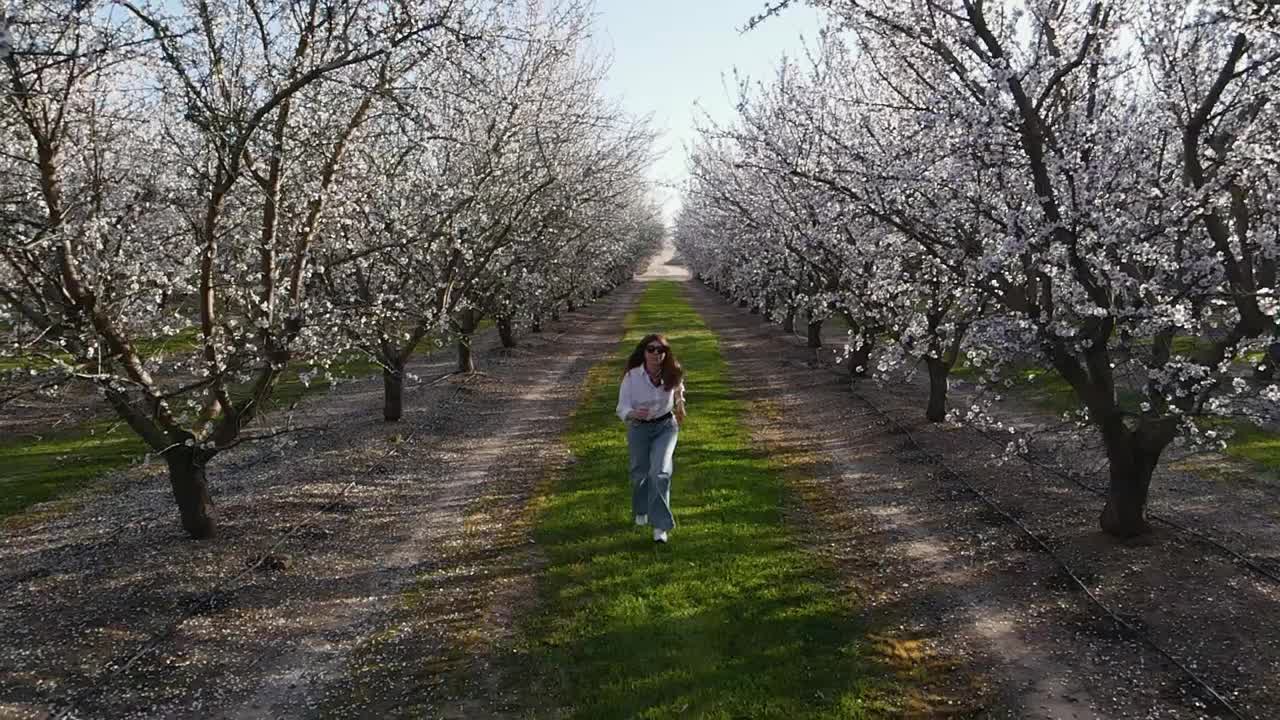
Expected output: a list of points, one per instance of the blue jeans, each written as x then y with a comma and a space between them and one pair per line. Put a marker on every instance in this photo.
652, 446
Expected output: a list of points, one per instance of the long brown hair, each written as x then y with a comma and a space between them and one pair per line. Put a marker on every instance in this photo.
672, 372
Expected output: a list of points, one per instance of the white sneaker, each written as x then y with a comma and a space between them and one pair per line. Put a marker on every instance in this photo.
659, 535
642, 519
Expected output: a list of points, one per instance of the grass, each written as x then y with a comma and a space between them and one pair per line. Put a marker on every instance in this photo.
290, 389
1255, 445
834, 328
732, 619
52, 465
184, 341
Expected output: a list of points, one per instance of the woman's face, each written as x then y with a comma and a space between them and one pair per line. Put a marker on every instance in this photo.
654, 353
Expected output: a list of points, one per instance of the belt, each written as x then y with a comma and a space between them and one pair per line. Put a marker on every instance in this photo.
657, 419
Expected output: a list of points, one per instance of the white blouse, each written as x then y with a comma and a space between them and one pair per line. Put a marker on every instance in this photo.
637, 392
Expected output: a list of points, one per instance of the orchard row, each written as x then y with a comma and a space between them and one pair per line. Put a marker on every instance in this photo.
198, 198
1088, 188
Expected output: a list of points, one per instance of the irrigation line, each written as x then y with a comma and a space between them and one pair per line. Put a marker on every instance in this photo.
1203, 537
212, 595
50, 565
1062, 564
466, 379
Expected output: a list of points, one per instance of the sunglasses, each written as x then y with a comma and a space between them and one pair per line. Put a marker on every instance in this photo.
656, 349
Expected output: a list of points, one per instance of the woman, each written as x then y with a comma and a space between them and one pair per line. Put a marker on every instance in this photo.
651, 402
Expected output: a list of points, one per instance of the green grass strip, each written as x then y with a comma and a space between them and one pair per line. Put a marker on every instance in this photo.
1260, 447
55, 464
50, 466
732, 619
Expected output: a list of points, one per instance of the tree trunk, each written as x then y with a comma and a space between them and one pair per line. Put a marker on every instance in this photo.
1131, 466
505, 332
555, 314
815, 333
742, 303
466, 359
467, 322
789, 322
571, 306
535, 325
191, 491
860, 359
393, 391
938, 373
1124, 337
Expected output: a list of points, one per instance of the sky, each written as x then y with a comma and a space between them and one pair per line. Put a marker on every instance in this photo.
670, 54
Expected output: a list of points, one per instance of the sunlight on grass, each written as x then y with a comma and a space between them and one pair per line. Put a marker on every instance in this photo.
46, 467
185, 341
1258, 446
50, 465
732, 619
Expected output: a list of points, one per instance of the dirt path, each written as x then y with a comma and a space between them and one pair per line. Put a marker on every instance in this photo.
110, 613
440, 654
953, 575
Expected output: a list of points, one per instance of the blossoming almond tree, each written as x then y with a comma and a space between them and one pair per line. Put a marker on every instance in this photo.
1119, 159
1132, 204
734, 238
173, 173
588, 160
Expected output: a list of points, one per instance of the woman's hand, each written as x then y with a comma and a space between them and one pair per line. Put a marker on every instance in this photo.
639, 414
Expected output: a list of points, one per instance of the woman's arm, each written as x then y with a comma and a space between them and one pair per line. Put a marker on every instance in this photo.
678, 407
624, 408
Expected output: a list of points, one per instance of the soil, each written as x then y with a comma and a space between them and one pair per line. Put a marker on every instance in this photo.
32, 415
